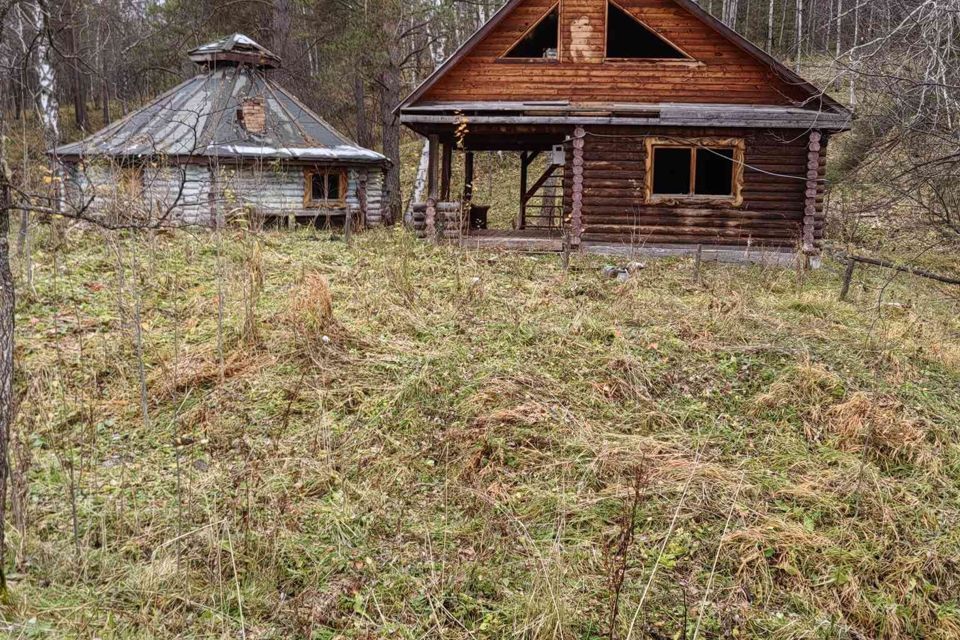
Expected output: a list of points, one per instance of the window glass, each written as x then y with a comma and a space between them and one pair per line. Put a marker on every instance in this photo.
671, 170
333, 185
714, 172
318, 187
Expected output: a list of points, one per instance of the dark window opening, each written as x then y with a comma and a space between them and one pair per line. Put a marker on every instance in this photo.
326, 187
714, 172
693, 171
671, 170
333, 186
318, 187
627, 37
541, 41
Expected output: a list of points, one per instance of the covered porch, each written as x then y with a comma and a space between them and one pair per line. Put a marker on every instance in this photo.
537, 215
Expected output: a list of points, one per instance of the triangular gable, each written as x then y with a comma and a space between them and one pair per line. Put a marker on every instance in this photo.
802, 89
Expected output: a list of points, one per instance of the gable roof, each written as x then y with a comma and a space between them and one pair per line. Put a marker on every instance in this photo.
777, 67
199, 118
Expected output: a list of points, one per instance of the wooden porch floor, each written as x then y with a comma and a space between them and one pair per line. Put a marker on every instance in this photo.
539, 240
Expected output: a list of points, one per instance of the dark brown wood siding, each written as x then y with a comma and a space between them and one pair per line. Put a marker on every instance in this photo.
722, 72
771, 214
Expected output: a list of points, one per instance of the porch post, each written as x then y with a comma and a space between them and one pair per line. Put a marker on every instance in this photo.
446, 167
523, 190
433, 156
468, 177
576, 210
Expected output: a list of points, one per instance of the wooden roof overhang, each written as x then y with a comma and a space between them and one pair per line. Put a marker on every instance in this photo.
818, 100
427, 118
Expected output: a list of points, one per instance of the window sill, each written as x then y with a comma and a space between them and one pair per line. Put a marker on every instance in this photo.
333, 204
528, 61
657, 62
682, 200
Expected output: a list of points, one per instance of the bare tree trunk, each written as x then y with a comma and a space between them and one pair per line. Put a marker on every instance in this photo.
104, 85
420, 182
360, 106
78, 89
856, 42
729, 16
47, 107
799, 50
839, 41
770, 27
46, 76
7, 306
280, 28
389, 97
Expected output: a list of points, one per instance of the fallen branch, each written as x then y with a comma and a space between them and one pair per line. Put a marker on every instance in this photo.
852, 261
923, 273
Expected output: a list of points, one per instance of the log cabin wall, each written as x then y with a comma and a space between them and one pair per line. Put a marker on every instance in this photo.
771, 214
195, 193
719, 72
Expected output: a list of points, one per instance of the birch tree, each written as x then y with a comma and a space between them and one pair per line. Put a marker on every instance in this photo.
48, 109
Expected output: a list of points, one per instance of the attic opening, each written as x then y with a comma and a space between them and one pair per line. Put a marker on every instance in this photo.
541, 41
628, 38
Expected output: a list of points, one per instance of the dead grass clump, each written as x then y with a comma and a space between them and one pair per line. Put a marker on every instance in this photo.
528, 414
628, 380
501, 390
201, 370
806, 387
492, 443
878, 423
616, 454
328, 607
310, 310
776, 544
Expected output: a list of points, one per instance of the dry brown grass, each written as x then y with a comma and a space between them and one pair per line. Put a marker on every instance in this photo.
879, 425
310, 309
452, 461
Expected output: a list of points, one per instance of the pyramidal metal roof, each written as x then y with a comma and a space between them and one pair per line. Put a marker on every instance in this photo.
200, 118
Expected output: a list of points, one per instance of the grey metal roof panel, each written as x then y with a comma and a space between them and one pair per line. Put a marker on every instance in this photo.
199, 118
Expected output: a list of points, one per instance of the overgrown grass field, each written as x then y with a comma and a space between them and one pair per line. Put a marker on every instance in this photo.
395, 439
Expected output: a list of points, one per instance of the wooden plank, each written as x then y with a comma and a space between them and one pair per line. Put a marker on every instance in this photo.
550, 170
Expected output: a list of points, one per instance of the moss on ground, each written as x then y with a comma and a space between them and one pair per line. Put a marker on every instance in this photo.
395, 439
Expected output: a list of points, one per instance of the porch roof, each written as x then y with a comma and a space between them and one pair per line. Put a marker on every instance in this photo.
664, 114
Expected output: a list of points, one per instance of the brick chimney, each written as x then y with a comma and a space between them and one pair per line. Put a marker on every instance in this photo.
251, 115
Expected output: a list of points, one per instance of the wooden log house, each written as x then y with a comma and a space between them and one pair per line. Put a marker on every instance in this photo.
666, 129
227, 142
